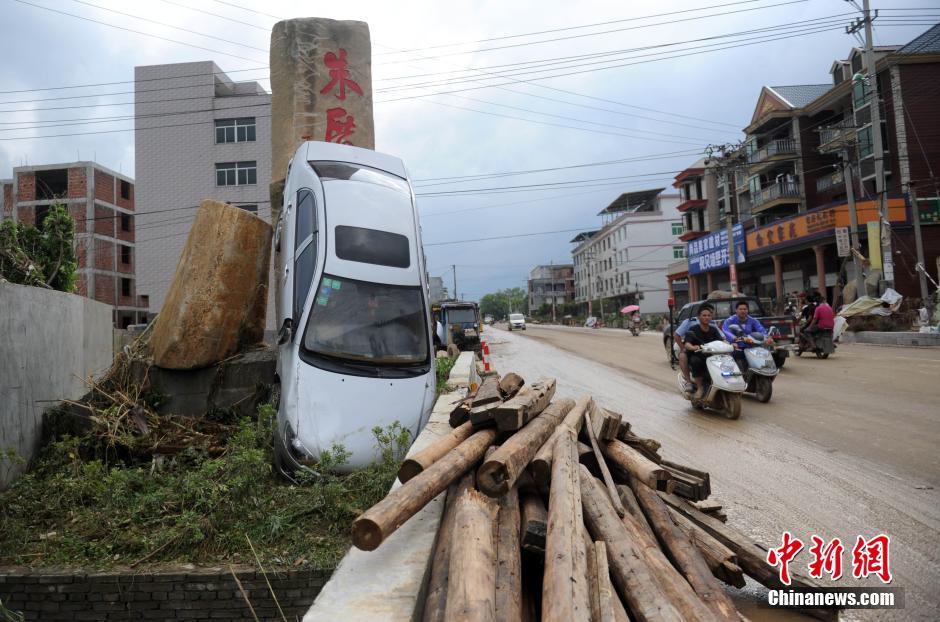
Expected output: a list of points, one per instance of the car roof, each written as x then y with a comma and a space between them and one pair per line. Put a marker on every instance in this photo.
318, 151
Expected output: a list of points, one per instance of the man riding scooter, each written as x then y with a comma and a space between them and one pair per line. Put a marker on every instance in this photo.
817, 336
748, 326
683, 356
698, 335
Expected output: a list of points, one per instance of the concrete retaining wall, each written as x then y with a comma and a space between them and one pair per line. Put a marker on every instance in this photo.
909, 339
50, 342
184, 594
389, 583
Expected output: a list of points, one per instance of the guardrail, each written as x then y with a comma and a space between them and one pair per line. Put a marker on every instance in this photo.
783, 146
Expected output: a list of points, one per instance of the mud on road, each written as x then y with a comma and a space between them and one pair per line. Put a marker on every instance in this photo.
846, 447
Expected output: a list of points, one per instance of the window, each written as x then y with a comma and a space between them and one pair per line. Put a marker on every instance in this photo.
364, 322
235, 130
125, 287
41, 212
305, 262
125, 222
865, 143
51, 184
236, 173
382, 248
677, 228
125, 189
861, 93
249, 208
125, 254
678, 252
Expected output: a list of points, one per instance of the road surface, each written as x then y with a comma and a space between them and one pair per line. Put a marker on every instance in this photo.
847, 446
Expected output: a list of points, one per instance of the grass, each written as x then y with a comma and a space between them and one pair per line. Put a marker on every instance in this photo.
71, 510
443, 372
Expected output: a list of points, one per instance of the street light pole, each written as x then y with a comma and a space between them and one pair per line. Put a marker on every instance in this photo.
551, 268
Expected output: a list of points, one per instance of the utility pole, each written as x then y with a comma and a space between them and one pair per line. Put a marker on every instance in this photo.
918, 245
454, 267
849, 181
551, 267
728, 160
877, 143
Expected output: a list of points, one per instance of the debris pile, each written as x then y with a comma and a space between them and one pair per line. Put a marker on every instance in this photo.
557, 509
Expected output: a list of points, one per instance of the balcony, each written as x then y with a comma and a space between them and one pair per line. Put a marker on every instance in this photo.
773, 151
829, 182
833, 138
778, 194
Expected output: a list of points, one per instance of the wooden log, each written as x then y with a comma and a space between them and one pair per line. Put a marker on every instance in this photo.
525, 406
436, 601
684, 555
690, 483
624, 429
471, 588
482, 416
752, 557
636, 465
605, 589
620, 612
720, 559
633, 508
646, 446
564, 588
501, 470
628, 567
590, 554
541, 465
590, 425
421, 460
534, 522
460, 413
488, 393
508, 558
383, 518
510, 384
604, 423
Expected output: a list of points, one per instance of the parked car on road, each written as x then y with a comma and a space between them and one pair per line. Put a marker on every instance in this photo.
516, 321
355, 345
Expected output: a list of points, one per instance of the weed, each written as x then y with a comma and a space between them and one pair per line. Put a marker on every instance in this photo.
443, 372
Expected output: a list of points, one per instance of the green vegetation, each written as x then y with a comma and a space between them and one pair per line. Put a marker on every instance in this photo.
76, 508
443, 372
498, 304
43, 256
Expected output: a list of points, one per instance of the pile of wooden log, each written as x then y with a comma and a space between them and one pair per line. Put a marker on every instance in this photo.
557, 510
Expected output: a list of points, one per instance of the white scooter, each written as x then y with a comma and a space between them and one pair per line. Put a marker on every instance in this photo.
760, 369
724, 382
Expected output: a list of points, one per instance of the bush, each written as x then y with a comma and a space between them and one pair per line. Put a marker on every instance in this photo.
444, 366
43, 258
194, 508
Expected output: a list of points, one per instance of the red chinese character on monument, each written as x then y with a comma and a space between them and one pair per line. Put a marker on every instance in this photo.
826, 559
782, 556
871, 558
339, 126
339, 75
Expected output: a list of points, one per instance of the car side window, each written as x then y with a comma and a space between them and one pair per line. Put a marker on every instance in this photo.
305, 242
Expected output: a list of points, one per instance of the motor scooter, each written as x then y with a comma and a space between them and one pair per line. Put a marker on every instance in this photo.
820, 344
635, 327
758, 362
724, 383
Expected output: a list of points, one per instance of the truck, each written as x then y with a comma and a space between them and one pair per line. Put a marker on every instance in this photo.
461, 324
783, 328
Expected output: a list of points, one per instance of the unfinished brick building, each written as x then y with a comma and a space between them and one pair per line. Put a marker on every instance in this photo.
102, 203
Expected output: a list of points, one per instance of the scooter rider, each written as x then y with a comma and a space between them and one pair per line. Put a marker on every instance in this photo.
679, 337
823, 317
748, 325
698, 335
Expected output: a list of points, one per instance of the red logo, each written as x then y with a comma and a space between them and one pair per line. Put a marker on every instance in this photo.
826, 559
784, 555
339, 75
871, 558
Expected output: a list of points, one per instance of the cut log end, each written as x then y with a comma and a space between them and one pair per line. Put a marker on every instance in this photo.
408, 469
492, 480
366, 534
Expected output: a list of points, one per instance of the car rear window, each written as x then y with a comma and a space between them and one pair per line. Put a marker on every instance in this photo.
381, 248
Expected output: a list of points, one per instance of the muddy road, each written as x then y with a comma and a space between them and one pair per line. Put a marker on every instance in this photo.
847, 446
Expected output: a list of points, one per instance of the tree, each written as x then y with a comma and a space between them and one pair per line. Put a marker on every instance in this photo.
504, 302
42, 257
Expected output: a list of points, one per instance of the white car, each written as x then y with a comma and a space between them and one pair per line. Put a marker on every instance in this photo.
516, 321
355, 345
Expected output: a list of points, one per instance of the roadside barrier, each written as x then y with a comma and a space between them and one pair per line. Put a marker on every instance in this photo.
486, 356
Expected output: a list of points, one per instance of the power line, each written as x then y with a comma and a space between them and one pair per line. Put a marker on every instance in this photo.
190, 8
504, 237
138, 32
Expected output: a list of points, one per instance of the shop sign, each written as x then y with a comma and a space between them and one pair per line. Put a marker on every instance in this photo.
842, 241
929, 210
817, 224
711, 251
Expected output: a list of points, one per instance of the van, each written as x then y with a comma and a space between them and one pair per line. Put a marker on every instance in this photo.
355, 344
516, 321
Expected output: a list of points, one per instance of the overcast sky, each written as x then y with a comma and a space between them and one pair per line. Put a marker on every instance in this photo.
622, 99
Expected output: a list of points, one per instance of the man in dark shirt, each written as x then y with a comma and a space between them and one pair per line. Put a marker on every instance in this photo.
697, 336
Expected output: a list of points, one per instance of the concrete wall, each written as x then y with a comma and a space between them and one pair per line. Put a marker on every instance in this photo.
51, 341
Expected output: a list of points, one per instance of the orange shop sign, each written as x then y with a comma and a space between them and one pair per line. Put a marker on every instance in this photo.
818, 223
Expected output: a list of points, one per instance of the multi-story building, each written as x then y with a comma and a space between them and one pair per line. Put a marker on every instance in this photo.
790, 190
551, 283
625, 261
436, 290
102, 203
198, 135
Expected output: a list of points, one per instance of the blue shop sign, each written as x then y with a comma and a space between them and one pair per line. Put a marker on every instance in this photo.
711, 251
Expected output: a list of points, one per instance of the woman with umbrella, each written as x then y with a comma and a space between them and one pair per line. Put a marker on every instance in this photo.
635, 318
